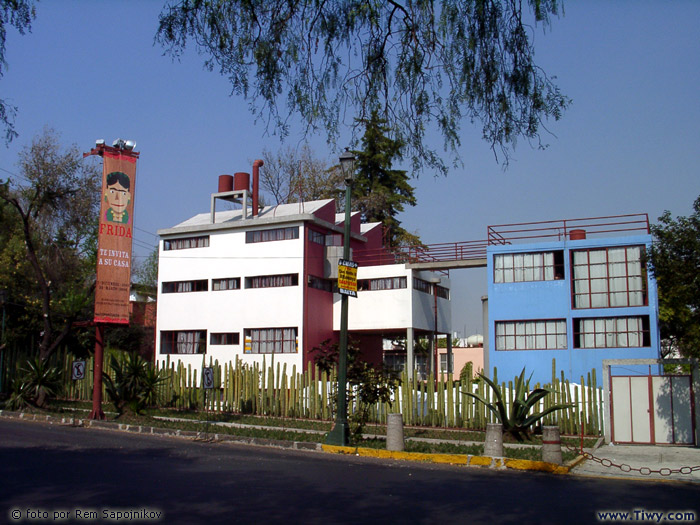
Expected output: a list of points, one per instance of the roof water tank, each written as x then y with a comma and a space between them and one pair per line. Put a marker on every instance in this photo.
225, 183
241, 181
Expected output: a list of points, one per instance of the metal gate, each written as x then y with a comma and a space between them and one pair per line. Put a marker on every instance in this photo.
652, 409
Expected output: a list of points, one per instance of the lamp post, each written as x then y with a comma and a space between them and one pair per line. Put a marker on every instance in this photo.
341, 432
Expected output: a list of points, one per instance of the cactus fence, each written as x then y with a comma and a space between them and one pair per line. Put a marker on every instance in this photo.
273, 390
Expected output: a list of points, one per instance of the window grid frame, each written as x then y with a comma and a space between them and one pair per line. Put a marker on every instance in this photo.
228, 280
286, 233
169, 339
185, 243
644, 334
253, 345
642, 276
198, 285
501, 339
271, 281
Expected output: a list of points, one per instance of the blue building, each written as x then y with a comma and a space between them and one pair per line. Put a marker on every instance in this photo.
576, 291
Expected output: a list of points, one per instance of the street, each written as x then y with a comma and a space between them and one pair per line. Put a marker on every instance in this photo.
89, 473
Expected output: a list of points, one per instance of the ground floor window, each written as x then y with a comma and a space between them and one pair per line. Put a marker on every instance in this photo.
272, 281
270, 340
225, 338
612, 332
183, 341
547, 334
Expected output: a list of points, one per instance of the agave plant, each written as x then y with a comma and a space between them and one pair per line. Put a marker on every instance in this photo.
519, 422
133, 383
38, 381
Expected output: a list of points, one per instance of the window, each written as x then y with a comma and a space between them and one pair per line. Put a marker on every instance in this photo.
531, 335
334, 239
275, 234
612, 332
272, 281
442, 292
320, 283
225, 338
186, 242
385, 283
421, 285
183, 342
201, 285
526, 267
270, 340
231, 283
443, 363
609, 277
317, 237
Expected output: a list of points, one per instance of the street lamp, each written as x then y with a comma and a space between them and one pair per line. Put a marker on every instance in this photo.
341, 432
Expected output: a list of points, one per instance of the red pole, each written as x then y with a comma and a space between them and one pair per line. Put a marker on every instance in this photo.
97, 375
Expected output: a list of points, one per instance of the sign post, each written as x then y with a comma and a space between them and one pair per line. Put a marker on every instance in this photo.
114, 236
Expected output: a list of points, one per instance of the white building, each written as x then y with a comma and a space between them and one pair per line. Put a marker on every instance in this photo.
243, 284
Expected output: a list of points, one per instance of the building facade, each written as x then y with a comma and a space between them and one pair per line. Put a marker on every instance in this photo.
579, 299
250, 284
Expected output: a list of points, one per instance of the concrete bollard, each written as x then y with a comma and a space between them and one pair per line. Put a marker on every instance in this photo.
493, 446
394, 432
551, 445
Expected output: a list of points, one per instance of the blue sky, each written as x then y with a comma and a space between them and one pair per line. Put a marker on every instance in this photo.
630, 143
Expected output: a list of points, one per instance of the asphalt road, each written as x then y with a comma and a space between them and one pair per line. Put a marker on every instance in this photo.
59, 469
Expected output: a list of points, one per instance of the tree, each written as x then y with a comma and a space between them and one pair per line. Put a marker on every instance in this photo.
675, 263
60, 191
18, 14
415, 63
380, 192
293, 175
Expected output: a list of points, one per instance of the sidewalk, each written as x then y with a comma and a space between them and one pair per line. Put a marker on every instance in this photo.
646, 462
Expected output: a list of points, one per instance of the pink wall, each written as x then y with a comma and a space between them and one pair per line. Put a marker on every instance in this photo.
463, 355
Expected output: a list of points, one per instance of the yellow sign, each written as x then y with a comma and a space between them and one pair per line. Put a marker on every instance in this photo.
347, 277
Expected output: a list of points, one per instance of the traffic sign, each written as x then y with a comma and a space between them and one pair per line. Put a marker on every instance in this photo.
78, 370
208, 378
347, 277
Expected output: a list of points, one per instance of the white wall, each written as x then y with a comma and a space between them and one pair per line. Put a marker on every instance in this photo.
232, 310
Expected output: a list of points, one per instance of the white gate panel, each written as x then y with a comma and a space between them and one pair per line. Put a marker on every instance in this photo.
621, 406
673, 421
641, 414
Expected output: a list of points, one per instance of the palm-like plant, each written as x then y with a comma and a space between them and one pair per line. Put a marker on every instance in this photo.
519, 422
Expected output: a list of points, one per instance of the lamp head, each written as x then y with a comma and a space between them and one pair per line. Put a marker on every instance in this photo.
347, 165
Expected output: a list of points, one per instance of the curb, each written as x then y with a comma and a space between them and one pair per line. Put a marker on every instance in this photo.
499, 463
456, 459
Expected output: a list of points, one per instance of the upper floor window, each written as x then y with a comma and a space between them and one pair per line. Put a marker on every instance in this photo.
422, 285
201, 285
384, 283
274, 234
612, 332
609, 277
320, 283
183, 341
317, 237
442, 292
531, 335
186, 242
231, 283
272, 281
526, 267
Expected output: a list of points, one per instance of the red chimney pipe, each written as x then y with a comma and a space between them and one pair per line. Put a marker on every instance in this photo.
256, 184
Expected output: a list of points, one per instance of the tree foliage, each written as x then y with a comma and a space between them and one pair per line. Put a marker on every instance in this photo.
380, 192
675, 262
417, 63
297, 175
18, 14
51, 249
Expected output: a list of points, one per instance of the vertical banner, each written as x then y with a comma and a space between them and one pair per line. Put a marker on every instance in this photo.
113, 284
